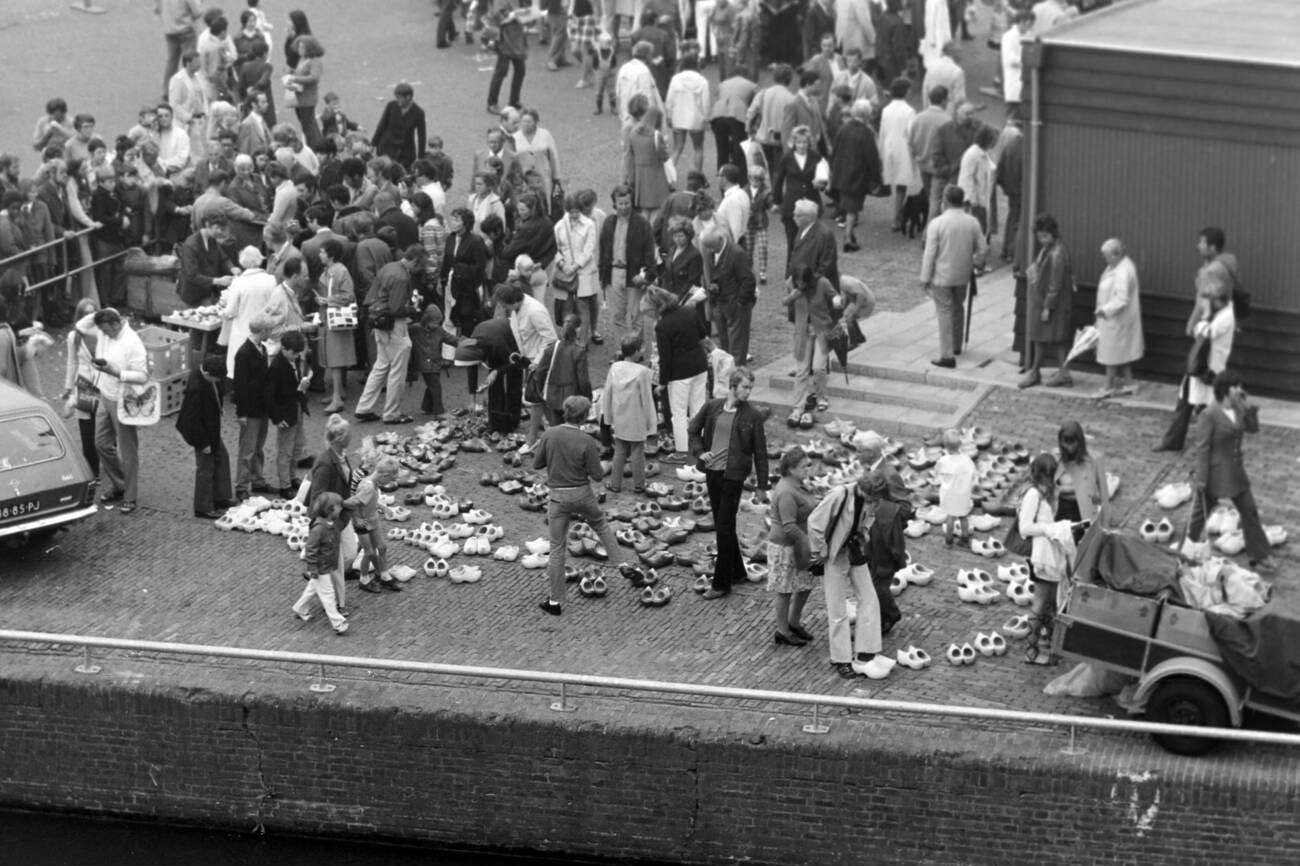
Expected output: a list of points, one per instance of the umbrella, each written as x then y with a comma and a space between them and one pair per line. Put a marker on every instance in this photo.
839, 346
1085, 340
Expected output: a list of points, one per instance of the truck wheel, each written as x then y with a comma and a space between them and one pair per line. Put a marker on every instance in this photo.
1187, 701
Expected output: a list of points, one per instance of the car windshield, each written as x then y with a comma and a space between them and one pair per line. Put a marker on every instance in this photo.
26, 441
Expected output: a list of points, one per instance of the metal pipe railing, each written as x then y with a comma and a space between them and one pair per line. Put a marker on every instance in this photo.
816, 701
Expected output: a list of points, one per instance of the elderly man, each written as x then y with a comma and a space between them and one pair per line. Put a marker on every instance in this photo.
954, 245
814, 246
635, 77
731, 287
1119, 320
502, 147
390, 310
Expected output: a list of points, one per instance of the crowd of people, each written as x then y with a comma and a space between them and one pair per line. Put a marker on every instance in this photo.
327, 249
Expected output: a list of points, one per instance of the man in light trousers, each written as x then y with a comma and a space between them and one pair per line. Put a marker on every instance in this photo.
391, 302
954, 245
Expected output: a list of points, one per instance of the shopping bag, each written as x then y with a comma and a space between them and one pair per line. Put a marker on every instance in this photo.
140, 405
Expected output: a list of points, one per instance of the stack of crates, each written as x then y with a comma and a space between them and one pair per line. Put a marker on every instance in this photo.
169, 363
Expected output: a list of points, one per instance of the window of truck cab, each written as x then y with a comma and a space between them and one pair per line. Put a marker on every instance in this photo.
26, 441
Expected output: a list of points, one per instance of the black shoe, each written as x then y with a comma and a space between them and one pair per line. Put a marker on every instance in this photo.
208, 515
844, 670
288, 492
598, 339
369, 586
802, 632
391, 584
306, 463
1165, 447
551, 607
852, 247
946, 363
788, 640
366, 417
263, 487
492, 109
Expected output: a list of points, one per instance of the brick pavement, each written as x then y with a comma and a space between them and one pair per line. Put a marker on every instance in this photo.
161, 575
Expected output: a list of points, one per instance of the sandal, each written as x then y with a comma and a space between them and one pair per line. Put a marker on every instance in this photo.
400, 419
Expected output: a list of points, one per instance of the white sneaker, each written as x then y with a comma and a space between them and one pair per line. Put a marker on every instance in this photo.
877, 669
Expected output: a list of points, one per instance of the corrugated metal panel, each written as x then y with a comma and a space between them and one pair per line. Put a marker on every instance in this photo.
1157, 192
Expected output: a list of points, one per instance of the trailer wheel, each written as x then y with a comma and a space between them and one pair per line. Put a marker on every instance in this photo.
1187, 701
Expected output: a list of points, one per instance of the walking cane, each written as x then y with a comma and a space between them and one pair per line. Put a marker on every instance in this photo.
971, 291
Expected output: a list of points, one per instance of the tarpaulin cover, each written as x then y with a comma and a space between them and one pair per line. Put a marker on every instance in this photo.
1262, 647
1127, 564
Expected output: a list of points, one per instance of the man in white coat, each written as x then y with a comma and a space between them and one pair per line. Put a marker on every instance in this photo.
1012, 82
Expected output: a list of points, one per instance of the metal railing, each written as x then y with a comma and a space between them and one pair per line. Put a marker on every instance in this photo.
818, 726
65, 274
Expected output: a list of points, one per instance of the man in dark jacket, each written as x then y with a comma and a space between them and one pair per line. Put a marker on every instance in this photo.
251, 369
730, 284
626, 248
199, 424
402, 133
493, 345
286, 405
205, 267
389, 207
946, 150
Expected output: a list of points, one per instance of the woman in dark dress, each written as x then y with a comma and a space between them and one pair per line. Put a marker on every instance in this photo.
797, 178
463, 264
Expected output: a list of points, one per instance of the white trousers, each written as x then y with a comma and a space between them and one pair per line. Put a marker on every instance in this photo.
685, 398
840, 576
322, 587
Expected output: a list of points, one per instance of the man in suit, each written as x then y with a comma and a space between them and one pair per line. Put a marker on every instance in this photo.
205, 267
253, 134
814, 246
922, 133
731, 287
1220, 468
251, 371
954, 245
806, 110
727, 118
318, 223
500, 146
625, 249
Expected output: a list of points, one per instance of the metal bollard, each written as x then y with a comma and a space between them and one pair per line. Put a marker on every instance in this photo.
1074, 748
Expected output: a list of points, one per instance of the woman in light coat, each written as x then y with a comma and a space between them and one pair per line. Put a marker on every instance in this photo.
854, 27
246, 298
536, 149
687, 108
1119, 320
575, 255
898, 166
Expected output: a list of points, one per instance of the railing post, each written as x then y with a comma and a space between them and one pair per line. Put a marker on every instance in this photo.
86, 666
563, 705
320, 686
1074, 748
816, 727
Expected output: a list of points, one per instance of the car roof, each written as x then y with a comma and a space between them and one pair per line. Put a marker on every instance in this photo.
13, 398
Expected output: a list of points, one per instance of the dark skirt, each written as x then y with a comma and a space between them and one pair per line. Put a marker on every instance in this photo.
505, 399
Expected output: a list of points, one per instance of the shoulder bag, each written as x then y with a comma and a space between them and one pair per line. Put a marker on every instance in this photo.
1198, 357
1015, 543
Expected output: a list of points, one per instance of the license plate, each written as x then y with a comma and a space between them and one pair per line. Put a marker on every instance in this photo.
12, 511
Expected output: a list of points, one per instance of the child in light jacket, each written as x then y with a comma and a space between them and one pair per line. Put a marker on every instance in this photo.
956, 474
322, 555
627, 405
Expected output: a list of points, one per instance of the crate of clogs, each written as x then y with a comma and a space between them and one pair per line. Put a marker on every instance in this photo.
168, 351
173, 392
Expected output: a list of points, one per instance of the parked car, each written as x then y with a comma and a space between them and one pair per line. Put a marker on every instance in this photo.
45, 483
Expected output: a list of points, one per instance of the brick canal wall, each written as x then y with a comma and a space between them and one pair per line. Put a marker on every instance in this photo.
628, 779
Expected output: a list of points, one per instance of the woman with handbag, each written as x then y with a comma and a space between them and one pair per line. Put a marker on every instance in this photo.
338, 351
788, 551
728, 440
80, 393
1048, 298
575, 265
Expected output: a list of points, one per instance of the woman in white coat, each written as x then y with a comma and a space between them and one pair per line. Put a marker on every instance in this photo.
1119, 320
898, 166
248, 295
854, 28
687, 108
575, 243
